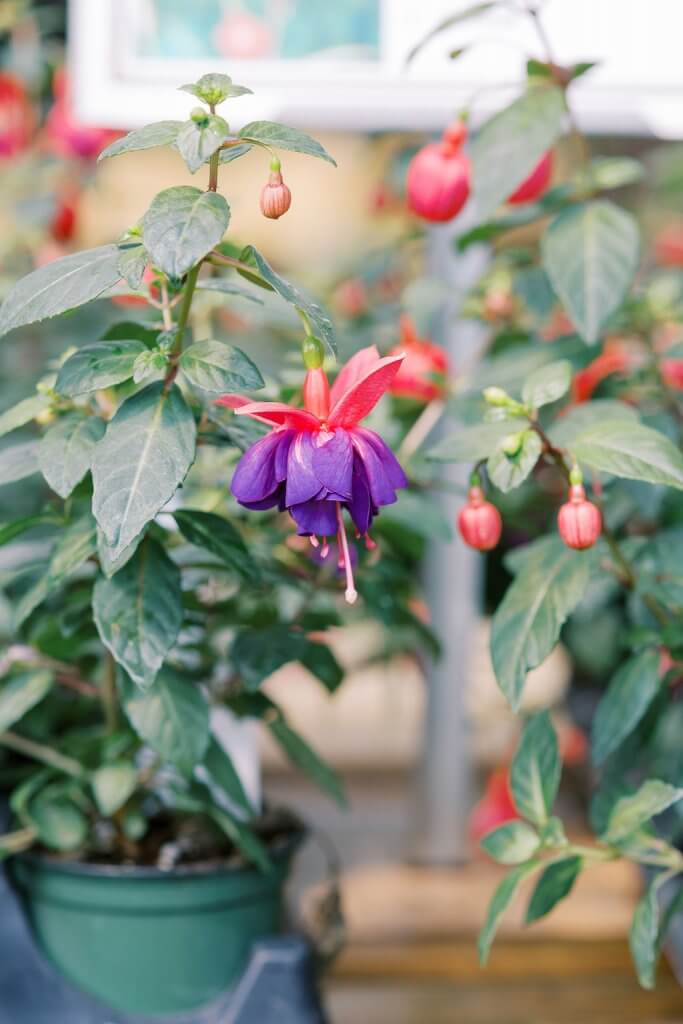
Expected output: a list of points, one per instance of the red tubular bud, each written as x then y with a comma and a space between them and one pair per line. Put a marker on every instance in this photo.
438, 182
479, 521
579, 520
535, 185
317, 393
276, 198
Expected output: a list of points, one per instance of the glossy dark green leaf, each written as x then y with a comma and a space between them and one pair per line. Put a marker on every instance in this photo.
536, 769
139, 610
216, 367
590, 253
526, 625
509, 145
141, 461
97, 366
279, 136
161, 133
554, 885
257, 653
318, 319
66, 450
217, 535
511, 843
223, 773
172, 716
60, 285
182, 225
629, 695
321, 662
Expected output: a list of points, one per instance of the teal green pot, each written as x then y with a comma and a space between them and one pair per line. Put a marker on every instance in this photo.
148, 941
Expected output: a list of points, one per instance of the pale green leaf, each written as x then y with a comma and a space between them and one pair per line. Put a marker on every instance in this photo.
279, 136
182, 225
98, 366
500, 901
547, 384
511, 843
197, 142
216, 367
509, 471
627, 448
472, 443
161, 133
630, 813
23, 412
536, 769
18, 461
113, 784
66, 450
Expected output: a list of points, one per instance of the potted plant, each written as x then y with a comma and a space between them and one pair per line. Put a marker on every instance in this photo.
148, 605
573, 426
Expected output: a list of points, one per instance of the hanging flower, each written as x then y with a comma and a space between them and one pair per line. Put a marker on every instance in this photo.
423, 373
318, 461
17, 119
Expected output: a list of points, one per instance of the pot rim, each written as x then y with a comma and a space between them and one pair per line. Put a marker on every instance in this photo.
284, 848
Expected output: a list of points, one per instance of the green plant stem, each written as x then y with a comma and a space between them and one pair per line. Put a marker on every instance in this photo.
39, 752
109, 694
213, 171
183, 318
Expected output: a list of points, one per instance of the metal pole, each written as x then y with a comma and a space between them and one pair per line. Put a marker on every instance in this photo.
443, 786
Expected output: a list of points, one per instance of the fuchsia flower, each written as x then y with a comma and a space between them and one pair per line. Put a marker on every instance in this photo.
318, 461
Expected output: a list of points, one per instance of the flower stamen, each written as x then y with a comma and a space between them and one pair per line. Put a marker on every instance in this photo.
350, 593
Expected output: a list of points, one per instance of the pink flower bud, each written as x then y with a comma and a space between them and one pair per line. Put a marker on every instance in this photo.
579, 521
535, 185
275, 197
438, 181
479, 522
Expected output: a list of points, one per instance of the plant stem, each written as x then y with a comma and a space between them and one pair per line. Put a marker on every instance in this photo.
183, 317
213, 171
109, 694
22, 745
166, 307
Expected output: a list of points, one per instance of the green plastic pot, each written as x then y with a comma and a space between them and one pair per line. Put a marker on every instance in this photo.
148, 941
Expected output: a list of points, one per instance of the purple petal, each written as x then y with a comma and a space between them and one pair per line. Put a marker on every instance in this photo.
254, 477
392, 466
318, 517
302, 483
360, 506
276, 498
333, 461
282, 453
381, 491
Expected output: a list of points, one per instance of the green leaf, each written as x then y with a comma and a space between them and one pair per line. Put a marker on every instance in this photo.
60, 285
196, 142
23, 412
98, 366
60, 823
18, 461
143, 458
150, 364
110, 564
511, 843
18, 526
161, 133
555, 883
626, 448
22, 692
321, 662
629, 695
243, 838
477, 442
318, 319
113, 784
590, 253
223, 773
305, 758
66, 450
515, 217
536, 769
219, 284
127, 330
526, 625
172, 716
133, 259
257, 653
138, 611
453, 19
608, 172
581, 417
501, 900
279, 136
217, 367
219, 536
182, 225
214, 88
509, 471
547, 384
644, 935
510, 144
630, 813
76, 544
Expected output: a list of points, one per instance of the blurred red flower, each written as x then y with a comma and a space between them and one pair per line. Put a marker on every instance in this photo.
17, 119
424, 370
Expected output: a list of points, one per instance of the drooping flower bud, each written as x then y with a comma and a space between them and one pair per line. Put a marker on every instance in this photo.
479, 521
438, 181
276, 198
579, 520
535, 185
